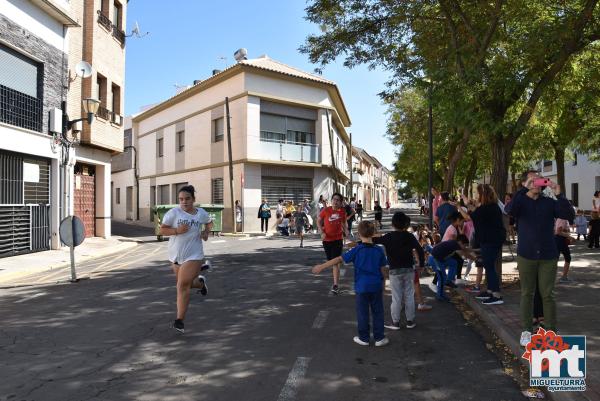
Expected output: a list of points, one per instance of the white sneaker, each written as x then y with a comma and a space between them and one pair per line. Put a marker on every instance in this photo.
525, 338
384, 341
359, 341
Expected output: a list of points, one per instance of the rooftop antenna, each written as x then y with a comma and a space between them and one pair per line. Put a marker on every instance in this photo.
224, 60
136, 31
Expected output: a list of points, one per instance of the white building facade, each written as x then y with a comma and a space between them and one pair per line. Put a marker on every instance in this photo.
582, 179
33, 72
288, 140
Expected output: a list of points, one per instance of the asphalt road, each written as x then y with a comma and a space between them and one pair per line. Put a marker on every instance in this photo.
268, 330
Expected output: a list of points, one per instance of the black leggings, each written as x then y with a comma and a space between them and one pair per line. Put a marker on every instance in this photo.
264, 224
563, 247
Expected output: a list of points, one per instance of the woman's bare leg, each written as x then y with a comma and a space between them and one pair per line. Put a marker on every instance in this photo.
185, 277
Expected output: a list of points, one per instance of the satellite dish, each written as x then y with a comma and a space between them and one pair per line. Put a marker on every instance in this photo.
83, 69
136, 31
240, 55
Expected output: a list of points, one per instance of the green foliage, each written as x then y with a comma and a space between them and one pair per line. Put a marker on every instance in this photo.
491, 63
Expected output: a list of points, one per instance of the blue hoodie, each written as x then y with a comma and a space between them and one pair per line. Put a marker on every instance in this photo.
535, 223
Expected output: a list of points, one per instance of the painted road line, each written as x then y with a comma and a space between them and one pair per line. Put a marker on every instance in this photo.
218, 241
320, 319
39, 294
290, 388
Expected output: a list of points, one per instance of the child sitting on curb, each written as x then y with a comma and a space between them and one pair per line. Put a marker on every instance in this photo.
399, 246
369, 276
442, 256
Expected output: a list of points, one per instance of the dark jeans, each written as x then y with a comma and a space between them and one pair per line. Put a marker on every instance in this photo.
374, 302
594, 240
489, 254
264, 224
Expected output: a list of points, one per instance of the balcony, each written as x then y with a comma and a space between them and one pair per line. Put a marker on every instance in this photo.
19, 109
289, 151
104, 21
357, 178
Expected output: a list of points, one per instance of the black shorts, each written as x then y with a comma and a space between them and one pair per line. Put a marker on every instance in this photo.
378, 217
333, 249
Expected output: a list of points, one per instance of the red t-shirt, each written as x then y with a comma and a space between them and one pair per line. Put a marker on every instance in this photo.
332, 223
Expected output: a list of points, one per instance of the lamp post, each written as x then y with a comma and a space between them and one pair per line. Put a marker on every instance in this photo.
429, 89
137, 181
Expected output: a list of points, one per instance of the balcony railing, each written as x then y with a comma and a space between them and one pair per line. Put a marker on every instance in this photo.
106, 23
103, 113
108, 115
19, 109
118, 34
289, 151
104, 20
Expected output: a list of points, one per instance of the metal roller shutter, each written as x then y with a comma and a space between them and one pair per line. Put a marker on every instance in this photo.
288, 188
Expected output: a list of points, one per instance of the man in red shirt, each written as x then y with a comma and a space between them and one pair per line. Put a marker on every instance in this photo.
333, 227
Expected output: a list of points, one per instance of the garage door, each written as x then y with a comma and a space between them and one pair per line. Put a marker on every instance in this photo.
288, 188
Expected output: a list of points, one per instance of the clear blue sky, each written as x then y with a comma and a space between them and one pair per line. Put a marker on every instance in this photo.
187, 38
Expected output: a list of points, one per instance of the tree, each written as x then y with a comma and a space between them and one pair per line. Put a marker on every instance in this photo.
497, 58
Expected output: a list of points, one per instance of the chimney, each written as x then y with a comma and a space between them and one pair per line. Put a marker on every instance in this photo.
197, 81
215, 72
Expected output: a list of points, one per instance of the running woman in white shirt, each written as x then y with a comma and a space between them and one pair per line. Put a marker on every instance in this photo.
186, 253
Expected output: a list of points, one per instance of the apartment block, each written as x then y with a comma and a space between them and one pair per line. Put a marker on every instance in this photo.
288, 140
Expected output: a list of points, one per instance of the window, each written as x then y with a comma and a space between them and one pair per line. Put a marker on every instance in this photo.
116, 98
152, 196
118, 196
180, 140
276, 128
104, 7
575, 193
101, 83
218, 129
118, 15
547, 166
217, 191
163, 195
20, 95
574, 158
101, 89
159, 147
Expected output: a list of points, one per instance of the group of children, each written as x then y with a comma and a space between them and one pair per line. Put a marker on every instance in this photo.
373, 266
589, 229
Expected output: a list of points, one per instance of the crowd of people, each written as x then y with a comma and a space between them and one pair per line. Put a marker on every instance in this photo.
467, 232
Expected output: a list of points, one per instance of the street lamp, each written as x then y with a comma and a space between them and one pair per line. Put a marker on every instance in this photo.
137, 180
90, 107
429, 95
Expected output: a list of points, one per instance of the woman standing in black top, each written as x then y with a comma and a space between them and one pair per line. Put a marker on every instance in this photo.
490, 234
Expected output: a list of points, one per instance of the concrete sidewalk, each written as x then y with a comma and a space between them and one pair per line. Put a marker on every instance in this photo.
13, 267
577, 309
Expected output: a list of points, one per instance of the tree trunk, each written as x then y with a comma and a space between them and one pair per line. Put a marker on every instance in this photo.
501, 155
455, 155
513, 178
559, 157
467, 186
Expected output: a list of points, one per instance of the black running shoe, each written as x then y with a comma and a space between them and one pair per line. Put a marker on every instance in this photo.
493, 301
334, 289
483, 295
204, 289
178, 325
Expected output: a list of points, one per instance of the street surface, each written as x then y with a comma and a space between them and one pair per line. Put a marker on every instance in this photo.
268, 330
